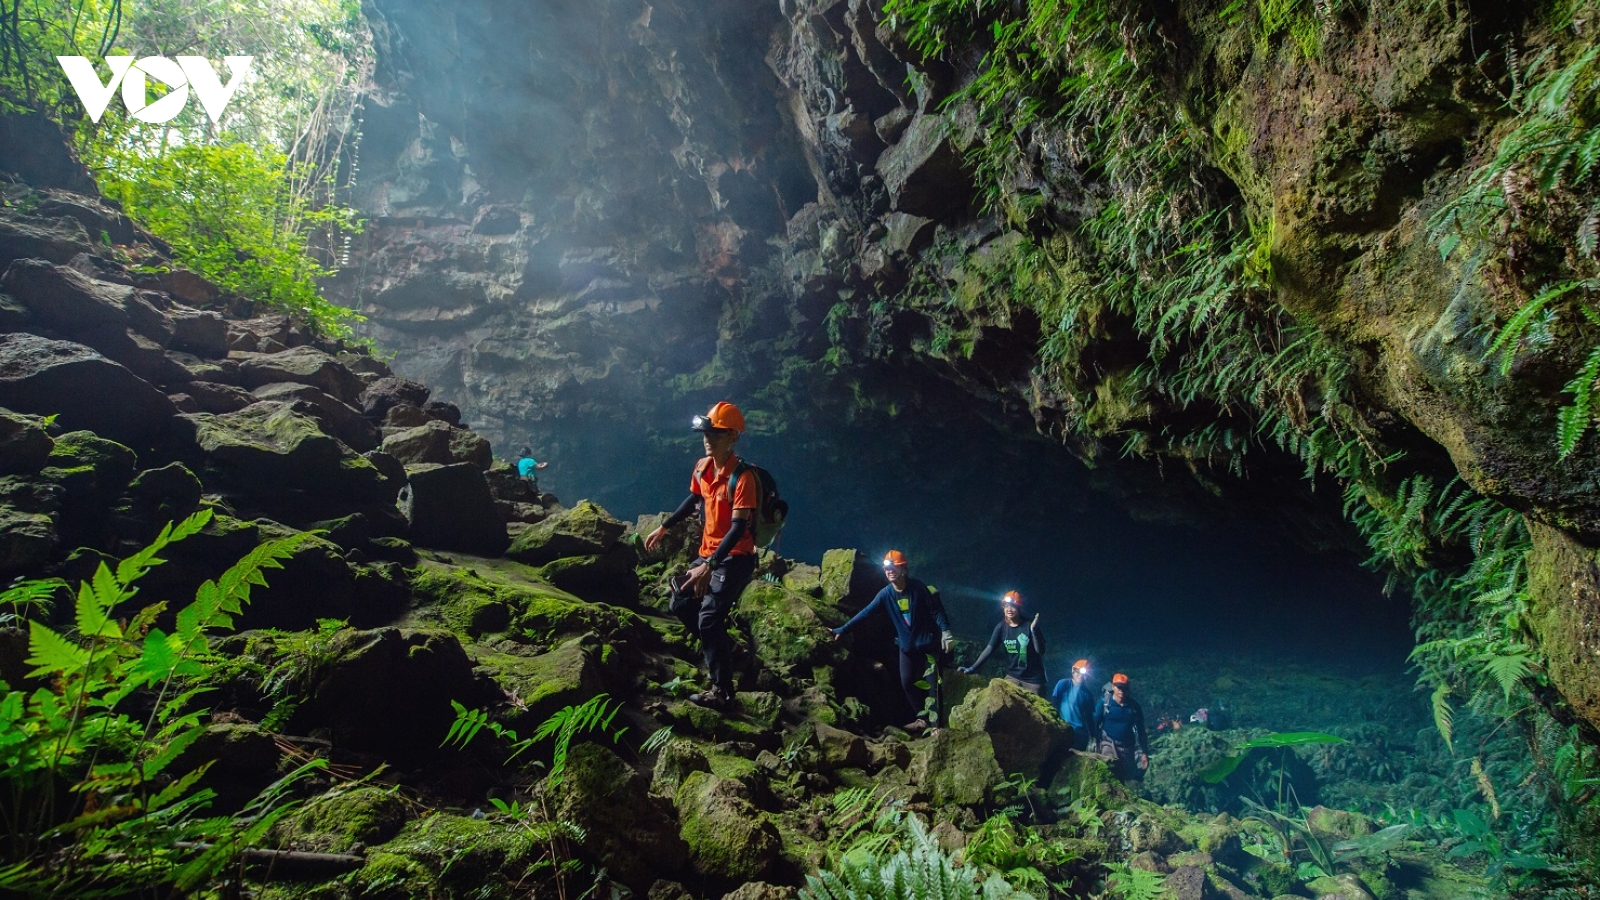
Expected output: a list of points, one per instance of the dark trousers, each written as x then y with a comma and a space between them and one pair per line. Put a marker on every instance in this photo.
913, 666
707, 618
1080, 737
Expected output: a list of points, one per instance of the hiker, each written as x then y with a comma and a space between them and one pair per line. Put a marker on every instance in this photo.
922, 630
1076, 702
528, 468
1020, 640
1119, 721
703, 596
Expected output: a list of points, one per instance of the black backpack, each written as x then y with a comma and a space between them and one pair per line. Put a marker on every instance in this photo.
771, 510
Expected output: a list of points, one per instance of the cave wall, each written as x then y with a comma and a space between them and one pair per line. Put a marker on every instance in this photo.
590, 218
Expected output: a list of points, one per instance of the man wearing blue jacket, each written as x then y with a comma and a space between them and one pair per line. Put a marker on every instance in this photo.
1076, 702
1119, 720
922, 631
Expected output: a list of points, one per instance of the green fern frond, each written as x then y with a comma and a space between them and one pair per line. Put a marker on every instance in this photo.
1443, 714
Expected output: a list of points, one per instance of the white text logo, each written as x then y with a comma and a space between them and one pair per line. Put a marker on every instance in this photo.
179, 76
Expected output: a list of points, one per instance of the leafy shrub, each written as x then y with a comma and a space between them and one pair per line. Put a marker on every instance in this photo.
114, 714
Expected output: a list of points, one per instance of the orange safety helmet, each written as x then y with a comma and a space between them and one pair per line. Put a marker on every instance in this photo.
723, 416
1119, 680
894, 558
1080, 665
1013, 598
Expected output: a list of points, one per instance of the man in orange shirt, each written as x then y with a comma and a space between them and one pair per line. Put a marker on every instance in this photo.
727, 555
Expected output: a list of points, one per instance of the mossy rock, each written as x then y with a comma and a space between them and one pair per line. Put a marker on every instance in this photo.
27, 540
566, 676
25, 446
849, 579
728, 838
1346, 886
677, 761
584, 530
1025, 730
634, 837
89, 467
444, 850
788, 632
268, 448
344, 819
472, 596
955, 767
1088, 777
804, 579
603, 578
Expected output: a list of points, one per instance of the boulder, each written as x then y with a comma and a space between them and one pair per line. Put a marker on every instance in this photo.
192, 289
1025, 731
386, 393
567, 676
24, 444
404, 415
449, 508
79, 386
584, 530
1189, 883
301, 365
27, 540
923, 172
65, 300
850, 579
201, 332
344, 820
102, 222
955, 766
607, 578
841, 749
55, 241
789, 635
268, 448
760, 890
677, 761
337, 418
210, 397
728, 838
438, 443
161, 495
634, 837
388, 691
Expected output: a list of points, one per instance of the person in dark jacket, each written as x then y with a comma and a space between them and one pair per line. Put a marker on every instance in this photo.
1119, 721
1023, 648
922, 631
1076, 702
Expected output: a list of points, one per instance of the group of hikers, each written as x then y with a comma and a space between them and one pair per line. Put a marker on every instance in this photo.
728, 492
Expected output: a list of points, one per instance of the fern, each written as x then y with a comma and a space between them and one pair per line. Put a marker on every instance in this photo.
1443, 714
1129, 883
921, 869
1508, 670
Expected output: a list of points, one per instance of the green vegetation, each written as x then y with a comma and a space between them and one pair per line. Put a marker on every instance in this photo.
1540, 194
250, 203
919, 869
101, 789
1079, 101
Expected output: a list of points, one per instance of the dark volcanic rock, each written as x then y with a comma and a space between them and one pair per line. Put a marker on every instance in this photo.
584, 530
386, 393
302, 365
268, 448
449, 508
338, 419
83, 388
388, 691
633, 835
437, 442
24, 444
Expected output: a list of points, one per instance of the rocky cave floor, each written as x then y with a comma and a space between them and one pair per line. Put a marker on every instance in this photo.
135, 396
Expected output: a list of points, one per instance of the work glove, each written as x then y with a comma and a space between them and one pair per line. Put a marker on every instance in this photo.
946, 641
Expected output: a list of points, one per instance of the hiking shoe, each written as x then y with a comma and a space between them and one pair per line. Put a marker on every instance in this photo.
916, 726
715, 698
